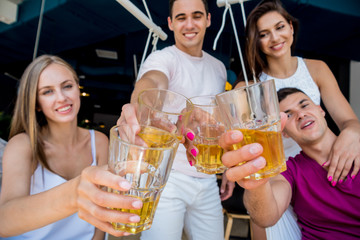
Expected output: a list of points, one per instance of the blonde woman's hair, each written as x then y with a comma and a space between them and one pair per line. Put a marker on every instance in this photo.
26, 118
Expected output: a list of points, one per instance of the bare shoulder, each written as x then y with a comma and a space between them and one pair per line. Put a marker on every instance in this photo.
100, 138
315, 65
20, 141
102, 147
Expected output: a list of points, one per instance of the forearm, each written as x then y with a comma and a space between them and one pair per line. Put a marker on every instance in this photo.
262, 205
27, 213
351, 125
146, 82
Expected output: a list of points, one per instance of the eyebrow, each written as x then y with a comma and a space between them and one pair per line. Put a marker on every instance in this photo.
300, 102
64, 82
281, 21
183, 14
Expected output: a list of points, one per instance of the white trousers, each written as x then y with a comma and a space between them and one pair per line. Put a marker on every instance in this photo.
188, 203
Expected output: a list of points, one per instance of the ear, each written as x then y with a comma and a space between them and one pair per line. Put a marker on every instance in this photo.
208, 20
170, 23
322, 111
285, 135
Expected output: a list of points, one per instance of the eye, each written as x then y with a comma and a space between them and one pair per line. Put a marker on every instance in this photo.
69, 86
47, 92
289, 115
262, 35
280, 27
304, 105
197, 16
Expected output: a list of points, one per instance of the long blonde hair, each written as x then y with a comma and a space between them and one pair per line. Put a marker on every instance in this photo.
26, 118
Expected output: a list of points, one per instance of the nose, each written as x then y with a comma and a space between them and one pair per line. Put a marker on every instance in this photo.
274, 36
60, 96
300, 115
189, 24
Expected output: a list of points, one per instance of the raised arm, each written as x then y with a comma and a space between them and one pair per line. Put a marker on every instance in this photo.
345, 152
151, 79
265, 199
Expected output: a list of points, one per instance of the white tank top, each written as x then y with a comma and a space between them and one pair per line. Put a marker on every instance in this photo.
69, 228
302, 80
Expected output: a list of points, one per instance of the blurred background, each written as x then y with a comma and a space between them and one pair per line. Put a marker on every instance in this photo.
105, 44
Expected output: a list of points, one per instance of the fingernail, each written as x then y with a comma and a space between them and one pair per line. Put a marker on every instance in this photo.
333, 183
180, 117
352, 177
254, 149
194, 152
191, 163
126, 234
134, 218
258, 163
136, 204
235, 135
340, 181
329, 178
323, 164
125, 185
190, 136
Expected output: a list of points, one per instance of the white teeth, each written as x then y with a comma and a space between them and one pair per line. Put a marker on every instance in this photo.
64, 109
189, 35
307, 124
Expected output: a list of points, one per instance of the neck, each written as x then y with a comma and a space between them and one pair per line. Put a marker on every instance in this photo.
194, 51
283, 67
320, 150
64, 133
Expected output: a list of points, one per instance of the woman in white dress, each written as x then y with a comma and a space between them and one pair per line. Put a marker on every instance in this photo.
50, 179
271, 32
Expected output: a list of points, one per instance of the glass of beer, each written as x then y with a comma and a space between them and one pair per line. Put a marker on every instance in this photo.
164, 109
144, 158
254, 110
207, 124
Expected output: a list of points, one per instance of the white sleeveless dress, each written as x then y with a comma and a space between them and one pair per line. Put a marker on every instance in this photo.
69, 228
287, 228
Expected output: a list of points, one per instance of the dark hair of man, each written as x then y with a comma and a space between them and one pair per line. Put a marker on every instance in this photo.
284, 92
171, 4
255, 57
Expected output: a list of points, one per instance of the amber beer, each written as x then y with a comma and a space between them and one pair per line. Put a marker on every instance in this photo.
144, 159
146, 213
208, 159
273, 152
155, 138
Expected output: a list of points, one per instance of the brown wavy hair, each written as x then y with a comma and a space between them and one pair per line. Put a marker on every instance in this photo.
256, 59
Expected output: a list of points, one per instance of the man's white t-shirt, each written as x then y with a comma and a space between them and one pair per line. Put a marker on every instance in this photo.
189, 76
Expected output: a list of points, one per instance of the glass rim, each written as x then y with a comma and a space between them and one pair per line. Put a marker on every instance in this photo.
187, 100
205, 105
248, 86
112, 133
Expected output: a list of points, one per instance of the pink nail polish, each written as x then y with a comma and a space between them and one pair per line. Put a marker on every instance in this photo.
191, 164
340, 181
194, 152
180, 117
329, 178
190, 136
333, 183
352, 177
323, 164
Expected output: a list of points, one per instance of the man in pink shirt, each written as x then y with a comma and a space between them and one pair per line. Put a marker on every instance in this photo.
325, 209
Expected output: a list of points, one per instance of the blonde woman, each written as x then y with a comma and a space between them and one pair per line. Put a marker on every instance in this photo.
48, 161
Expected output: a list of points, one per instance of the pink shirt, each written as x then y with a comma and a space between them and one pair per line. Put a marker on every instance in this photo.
323, 211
